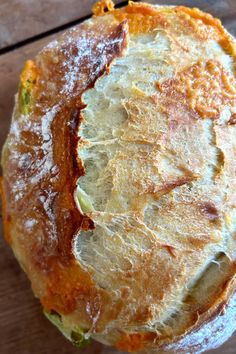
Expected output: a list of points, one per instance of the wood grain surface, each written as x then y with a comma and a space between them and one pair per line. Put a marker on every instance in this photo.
22, 19
23, 328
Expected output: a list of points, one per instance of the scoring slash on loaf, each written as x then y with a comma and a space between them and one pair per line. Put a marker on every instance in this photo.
119, 179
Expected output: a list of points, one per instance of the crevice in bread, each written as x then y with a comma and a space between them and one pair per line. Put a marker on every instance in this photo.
210, 282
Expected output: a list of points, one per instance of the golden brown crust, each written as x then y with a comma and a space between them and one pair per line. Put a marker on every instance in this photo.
40, 162
41, 168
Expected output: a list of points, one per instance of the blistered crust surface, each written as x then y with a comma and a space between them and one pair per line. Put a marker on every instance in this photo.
153, 258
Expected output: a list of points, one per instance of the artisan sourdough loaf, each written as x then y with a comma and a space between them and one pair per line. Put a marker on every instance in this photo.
119, 179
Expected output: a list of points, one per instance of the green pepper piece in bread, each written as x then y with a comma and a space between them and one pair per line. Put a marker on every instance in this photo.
78, 338
28, 80
77, 335
84, 201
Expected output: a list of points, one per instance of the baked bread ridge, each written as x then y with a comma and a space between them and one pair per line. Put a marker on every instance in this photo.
94, 305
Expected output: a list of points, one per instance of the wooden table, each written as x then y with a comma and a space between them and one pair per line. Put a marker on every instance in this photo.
25, 27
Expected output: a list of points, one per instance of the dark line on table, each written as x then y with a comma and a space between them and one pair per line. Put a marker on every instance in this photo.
48, 33
227, 17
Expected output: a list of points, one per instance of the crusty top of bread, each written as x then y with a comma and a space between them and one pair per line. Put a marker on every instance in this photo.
119, 178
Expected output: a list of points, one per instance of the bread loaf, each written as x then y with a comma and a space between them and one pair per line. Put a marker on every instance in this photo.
119, 179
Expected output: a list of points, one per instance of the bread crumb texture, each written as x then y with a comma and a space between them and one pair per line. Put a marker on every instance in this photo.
137, 108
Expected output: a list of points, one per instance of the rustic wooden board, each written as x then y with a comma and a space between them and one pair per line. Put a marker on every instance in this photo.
23, 328
22, 19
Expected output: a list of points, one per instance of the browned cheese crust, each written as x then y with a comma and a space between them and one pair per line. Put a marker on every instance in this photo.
41, 167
